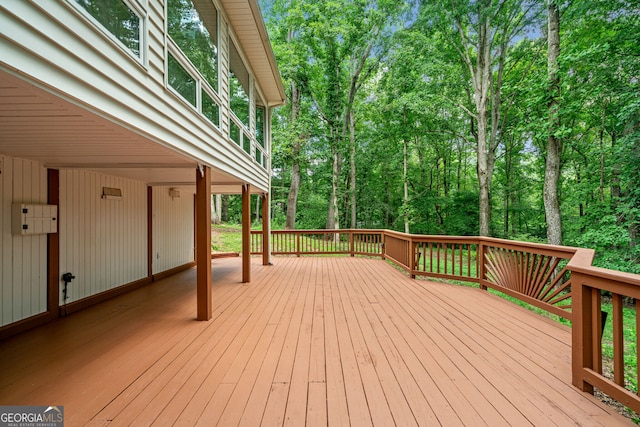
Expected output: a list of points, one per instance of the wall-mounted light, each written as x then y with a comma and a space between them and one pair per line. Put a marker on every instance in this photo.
174, 193
111, 193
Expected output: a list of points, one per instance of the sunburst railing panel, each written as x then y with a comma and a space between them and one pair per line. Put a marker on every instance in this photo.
535, 274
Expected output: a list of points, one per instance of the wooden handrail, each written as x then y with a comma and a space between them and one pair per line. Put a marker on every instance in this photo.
559, 279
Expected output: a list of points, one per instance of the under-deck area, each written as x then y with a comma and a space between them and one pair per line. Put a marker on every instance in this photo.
310, 341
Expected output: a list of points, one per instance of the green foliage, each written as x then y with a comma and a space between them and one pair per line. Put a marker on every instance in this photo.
312, 212
416, 92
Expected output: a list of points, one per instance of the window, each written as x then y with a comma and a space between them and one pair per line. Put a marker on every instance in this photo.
238, 85
210, 109
195, 32
181, 80
260, 117
246, 143
234, 132
118, 19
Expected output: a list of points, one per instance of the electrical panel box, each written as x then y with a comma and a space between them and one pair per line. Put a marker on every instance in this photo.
34, 219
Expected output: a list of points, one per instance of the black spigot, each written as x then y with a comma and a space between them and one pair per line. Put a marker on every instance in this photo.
66, 278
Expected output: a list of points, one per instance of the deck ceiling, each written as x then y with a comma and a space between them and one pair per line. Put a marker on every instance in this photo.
39, 126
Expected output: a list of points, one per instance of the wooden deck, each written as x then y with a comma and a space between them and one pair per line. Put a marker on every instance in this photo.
310, 341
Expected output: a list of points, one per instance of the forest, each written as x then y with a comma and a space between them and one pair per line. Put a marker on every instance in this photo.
517, 119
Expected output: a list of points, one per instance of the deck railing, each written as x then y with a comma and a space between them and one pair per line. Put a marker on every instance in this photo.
558, 279
322, 242
589, 284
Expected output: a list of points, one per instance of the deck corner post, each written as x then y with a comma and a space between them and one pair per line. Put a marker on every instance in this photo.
581, 332
203, 242
246, 233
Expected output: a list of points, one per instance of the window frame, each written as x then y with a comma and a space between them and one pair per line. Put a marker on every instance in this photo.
202, 84
137, 10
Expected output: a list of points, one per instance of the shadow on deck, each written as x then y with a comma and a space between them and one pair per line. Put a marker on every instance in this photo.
315, 341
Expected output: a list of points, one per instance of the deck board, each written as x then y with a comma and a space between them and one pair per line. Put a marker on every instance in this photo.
310, 341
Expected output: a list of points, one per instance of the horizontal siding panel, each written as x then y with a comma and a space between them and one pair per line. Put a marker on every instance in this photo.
156, 41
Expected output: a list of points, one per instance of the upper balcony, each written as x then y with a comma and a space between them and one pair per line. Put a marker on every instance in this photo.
146, 90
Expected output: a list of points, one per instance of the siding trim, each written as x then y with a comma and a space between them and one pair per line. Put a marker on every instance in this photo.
172, 271
83, 303
23, 325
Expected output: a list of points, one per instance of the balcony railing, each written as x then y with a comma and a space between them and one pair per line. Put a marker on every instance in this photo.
558, 279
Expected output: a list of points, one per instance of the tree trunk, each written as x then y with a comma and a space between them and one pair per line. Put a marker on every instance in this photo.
554, 146
352, 171
483, 175
481, 83
224, 208
333, 218
294, 188
602, 155
405, 179
216, 211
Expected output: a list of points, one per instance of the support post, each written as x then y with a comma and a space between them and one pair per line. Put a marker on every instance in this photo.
266, 229
150, 232
203, 242
53, 247
246, 233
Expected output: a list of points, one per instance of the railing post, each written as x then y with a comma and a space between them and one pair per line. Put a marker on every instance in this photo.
351, 243
581, 331
412, 258
383, 242
482, 273
298, 245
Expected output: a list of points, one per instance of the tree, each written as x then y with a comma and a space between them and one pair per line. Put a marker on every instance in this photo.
481, 33
554, 146
344, 48
286, 21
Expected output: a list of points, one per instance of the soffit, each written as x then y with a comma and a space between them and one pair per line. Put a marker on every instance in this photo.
38, 126
248, 25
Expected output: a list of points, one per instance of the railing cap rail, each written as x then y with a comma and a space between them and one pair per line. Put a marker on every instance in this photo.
605, 273
327, 231
567, 250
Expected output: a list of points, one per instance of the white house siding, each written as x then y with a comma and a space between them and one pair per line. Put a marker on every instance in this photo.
173, 229
87, 67
23, 259
103, 242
